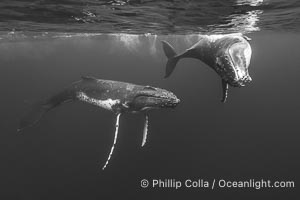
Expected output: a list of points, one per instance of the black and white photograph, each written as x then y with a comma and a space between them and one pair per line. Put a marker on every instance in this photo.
143, 99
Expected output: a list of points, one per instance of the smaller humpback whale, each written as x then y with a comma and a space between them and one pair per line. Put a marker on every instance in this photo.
118, 97
229, 55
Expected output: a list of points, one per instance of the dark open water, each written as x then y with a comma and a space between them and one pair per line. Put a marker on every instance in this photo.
46, 45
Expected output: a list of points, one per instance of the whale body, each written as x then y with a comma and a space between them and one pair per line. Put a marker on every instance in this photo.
118, 97
228, 55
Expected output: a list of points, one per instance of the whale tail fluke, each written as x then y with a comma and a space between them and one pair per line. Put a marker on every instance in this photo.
33, 116
173, 58
39, 109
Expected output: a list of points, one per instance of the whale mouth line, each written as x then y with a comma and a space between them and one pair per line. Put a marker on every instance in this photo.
158, 97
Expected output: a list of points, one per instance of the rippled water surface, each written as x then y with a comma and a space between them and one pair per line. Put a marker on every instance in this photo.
157, 17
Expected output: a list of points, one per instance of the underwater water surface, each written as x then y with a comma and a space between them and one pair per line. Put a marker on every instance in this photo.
254, 135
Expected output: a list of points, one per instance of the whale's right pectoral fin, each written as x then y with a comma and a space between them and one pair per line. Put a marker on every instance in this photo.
172, 58
225, 91
145, 131
115, 140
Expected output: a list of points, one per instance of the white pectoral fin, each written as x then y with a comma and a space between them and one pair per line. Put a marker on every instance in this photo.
115, 140
145, 131
225, 91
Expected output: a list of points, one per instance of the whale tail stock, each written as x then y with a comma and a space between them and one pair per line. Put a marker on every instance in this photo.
40, 108
173, 58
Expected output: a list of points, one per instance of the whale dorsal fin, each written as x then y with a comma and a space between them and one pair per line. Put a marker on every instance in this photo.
88, 78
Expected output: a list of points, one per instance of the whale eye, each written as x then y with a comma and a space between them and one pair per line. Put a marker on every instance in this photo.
150, 88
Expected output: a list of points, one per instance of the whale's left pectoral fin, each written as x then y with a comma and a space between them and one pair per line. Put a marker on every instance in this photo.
225, 91
115, 140
145, 131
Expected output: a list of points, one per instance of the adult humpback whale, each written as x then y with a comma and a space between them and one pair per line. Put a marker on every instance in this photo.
229, 55
118, 97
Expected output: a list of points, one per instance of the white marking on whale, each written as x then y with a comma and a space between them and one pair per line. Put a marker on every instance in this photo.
129, 87
106, 104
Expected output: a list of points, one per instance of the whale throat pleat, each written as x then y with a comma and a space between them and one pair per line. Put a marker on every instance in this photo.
115, 141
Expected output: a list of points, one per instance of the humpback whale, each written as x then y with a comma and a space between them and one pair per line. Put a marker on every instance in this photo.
229, 55
118, 97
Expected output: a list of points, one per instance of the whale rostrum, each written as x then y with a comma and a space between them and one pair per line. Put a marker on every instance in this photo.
118, 97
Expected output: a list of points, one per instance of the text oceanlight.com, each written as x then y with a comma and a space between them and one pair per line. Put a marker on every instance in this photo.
215, 183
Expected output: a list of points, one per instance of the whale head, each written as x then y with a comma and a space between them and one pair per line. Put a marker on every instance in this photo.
148, 98
233, 59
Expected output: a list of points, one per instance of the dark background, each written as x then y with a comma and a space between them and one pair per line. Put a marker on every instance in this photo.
255, 135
